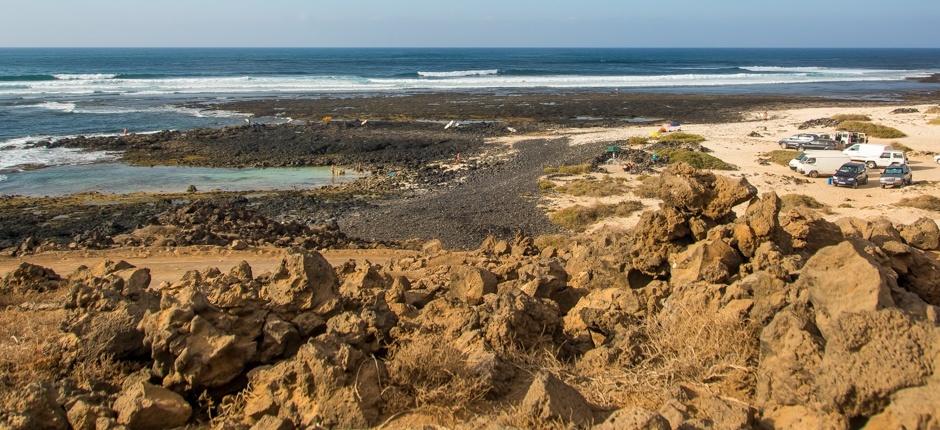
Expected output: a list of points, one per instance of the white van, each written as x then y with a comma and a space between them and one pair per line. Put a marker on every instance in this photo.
862, 150
816, 165
794, 164
884, 159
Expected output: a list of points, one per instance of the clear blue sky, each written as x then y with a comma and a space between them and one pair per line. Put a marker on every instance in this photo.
522, 23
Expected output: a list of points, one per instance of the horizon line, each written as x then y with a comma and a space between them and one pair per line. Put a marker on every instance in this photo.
467, 47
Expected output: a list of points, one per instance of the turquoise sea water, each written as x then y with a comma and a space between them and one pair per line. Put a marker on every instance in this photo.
113, 178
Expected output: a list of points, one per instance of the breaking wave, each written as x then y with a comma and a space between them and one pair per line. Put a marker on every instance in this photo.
458, 73
456, 80
84, 76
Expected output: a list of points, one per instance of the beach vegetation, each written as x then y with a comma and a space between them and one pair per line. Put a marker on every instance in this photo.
792, 201
935, 121
591, 187
571, 169
580, 217
901, 147
933, 110
925, 202
782, 156
546, 185
851, 117
696, 159
637, 140
681, 137
871, 129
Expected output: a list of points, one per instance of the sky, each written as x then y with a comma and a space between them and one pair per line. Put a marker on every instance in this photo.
478, 23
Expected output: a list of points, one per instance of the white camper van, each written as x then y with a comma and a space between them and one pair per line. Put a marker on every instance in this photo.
795, 163
875, 156
816, 165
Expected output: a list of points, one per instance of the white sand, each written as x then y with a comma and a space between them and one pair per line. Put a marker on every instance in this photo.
730, 142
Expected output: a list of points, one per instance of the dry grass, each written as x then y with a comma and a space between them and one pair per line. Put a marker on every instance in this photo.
933, 110
782, 156
935, 121
580, 217
637, 140
571, 169
427, 372
925, 202
901, 147
871, 129
27, 350
692, 345
546, 185
681, 137
696, 159
851, 117
790, 201
558, 241
591, 187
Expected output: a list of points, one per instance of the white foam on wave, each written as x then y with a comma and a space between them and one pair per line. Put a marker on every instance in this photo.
71, 107
20, 151
459, 73
327, 84
84, 76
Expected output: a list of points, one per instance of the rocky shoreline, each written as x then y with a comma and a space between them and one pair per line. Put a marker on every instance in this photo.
694, 318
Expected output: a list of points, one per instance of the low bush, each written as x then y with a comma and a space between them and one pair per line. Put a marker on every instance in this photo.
681, 137
935, 121
546, 185
591, 187
637, 140
580, 217
871, 129
851, 117
933, 110
901, 147
782, 156
696, 159
790, 201
571, 169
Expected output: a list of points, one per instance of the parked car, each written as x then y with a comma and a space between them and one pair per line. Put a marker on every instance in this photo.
851, 174
937, 159
821, 144
896, 176
797, 141
821, 163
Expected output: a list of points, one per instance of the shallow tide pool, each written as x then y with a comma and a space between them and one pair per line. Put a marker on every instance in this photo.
114, 178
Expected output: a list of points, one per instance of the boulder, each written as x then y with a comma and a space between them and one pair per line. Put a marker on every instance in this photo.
105, 308
470, 284
790, 356
303, 282
653, 240
923, 234
27, 278
912, 408
602, 313
699, 192
760, 223
844, 279
805, 231
149, 407
711, 260
515, 319
548, 398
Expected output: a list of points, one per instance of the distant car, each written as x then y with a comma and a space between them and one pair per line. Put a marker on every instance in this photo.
821, 144
896, 176
937, 159
798, 141
851, 174
671, 127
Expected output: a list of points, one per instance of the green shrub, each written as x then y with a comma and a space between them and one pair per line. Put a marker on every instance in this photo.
594, 188
580, 217
851, 117
782, 156
637, 140
696, 159
871, 129
681, 137
571, 169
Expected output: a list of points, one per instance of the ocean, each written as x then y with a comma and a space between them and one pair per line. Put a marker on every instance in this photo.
52, 93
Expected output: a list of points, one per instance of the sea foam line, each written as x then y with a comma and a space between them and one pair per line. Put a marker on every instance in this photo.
459, 73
